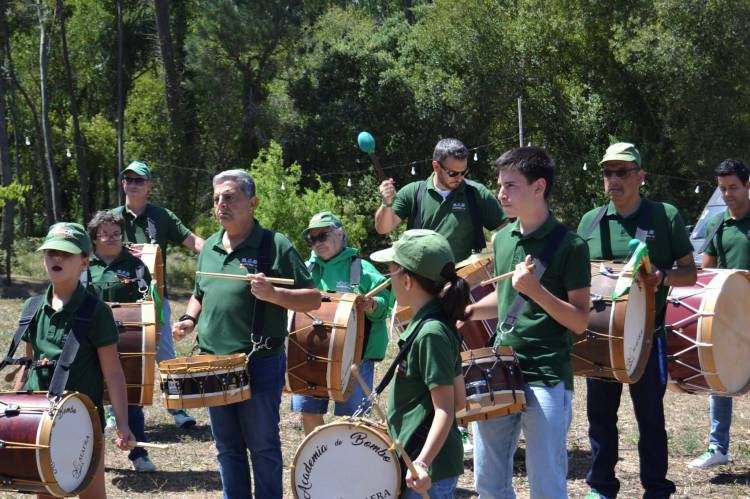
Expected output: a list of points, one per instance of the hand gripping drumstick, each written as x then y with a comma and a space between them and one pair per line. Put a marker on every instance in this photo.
407, 460
501, 277
247, 277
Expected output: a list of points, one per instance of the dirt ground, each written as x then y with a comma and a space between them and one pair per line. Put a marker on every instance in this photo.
188, 469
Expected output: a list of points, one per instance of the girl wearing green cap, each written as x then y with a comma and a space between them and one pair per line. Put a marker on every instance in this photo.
428, 386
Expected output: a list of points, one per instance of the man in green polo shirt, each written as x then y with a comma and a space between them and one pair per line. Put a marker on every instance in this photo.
608, 231
538, 316
249, 316
728, 249
446, 203
146, 223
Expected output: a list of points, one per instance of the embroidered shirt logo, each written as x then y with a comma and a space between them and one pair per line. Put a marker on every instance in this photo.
457, 206
251, 264
343, 287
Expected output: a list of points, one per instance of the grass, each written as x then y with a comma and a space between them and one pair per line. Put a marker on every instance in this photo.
189, 469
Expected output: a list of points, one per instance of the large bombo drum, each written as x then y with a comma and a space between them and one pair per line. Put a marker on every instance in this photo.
617, 342
150, 254
346, 459
48, 448
708, 333
322, 346
204, 381
136, 347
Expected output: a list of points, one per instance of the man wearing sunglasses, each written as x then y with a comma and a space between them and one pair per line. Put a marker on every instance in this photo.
335, 267
608, 231
446, 202
146, 223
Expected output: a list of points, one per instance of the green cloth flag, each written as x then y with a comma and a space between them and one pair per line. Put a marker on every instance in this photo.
154, 292
633, 265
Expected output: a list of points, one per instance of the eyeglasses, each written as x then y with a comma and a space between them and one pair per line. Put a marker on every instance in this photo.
453, 173
320, 238
619, 173
135, 180
104, 236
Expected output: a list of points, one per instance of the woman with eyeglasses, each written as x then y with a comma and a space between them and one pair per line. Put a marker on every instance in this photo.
335, 267
117, 276
428, 386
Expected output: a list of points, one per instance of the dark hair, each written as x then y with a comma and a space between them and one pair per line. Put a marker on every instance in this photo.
532, 162
454, 299
104, 217
446, 148
733, 167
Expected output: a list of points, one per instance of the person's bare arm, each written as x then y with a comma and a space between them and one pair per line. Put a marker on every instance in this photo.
684, 275
385, 219
117, 391
299, 300
709, 261
194, 243
23, 374
180, 329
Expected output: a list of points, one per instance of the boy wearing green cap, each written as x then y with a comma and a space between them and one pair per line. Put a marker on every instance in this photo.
608, 231
146, 223
335, 267
66, 249
424, 397
546, 299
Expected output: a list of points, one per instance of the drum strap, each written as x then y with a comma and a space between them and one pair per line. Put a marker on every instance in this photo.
71, 342
150, 223
355, 272
641, 232
265, 263
23, 325
540, 267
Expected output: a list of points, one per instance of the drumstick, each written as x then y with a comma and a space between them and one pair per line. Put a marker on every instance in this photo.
148, 445
501, 277
407, 460
247, 277
377, 289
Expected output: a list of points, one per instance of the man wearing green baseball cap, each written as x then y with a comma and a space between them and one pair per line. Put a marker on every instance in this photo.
608, 231
146, 223
335, 267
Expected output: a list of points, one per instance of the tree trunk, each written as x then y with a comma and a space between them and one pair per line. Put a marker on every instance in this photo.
408, 5
25, 209
10, 206
120, 104
47, 134
250, 92
83, 172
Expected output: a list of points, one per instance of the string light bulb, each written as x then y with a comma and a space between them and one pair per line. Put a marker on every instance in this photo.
28, 141
476, 156
585, 167
283, 185
413, 169
697, 189
67, 152
349, 182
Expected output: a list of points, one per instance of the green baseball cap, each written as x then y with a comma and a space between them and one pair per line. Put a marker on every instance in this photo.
68, 237
622, 151
139, 168
322, 220
422, 251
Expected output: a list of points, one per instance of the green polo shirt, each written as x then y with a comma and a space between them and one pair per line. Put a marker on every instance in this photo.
167, 227
542, 344
117, 281
731, 246
46, 332
433, 360
667, 240
450, 216
228, 307
334, 275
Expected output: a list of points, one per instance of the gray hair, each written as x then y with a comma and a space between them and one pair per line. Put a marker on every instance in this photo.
104, 217
243, 179
449, 148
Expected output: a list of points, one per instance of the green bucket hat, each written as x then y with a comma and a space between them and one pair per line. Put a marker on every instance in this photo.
68, 237
622, 151
424, 252
139, 168
322, 220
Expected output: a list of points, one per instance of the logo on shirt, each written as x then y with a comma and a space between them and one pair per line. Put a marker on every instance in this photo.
343, 287
651, 235
251, 264
123, 274
458, 206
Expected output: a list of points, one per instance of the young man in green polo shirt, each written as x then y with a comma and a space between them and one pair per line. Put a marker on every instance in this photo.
335, 267
247, 316
538, 326
146, 223
444, 206
610, 229
66, 249
729, 249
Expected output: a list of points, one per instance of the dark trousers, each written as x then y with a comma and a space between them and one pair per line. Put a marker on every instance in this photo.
602, 402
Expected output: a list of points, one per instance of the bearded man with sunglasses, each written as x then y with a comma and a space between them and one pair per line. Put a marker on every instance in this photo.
335, 267
146, 223
446, 202
608, 231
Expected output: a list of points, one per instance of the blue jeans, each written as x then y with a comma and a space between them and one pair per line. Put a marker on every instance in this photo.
442, 489
137, 424
165, 349
545, 422
252, 425
721, 420
314, 405
602, 402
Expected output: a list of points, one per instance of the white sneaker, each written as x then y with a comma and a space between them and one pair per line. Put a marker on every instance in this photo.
466, 439
144, 465
710, 457
183, 420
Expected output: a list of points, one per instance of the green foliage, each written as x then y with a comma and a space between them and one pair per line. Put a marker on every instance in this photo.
13, 192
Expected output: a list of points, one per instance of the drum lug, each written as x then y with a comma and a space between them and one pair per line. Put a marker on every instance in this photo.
590, 335
5, 480
317, 322
11, 410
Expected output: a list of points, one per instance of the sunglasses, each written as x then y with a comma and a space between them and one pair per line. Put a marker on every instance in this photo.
619, 173
135, 180
453, 173
320, 238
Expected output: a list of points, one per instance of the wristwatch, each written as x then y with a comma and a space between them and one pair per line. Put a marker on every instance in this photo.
185, 317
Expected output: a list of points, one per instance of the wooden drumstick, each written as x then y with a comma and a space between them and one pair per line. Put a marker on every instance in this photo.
501, 277
377, 289
407, 460
247, 277
147, 445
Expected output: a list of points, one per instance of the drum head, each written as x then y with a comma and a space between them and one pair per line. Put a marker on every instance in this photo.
345, 314
636, 326
72, 444
345, 460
